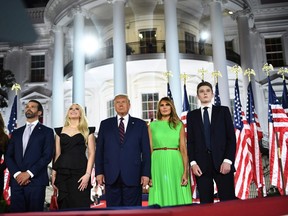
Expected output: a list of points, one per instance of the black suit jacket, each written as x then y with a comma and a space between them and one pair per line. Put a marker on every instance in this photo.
223, 140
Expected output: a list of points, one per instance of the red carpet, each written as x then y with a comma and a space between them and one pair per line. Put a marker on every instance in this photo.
259, 206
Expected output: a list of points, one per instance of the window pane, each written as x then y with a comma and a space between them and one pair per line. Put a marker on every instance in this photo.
110, 109
149, 105
37, 68
274, 51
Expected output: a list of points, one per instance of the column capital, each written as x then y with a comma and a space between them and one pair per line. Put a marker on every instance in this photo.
79, 10
245, 12
113, 1
207, 2
58, 28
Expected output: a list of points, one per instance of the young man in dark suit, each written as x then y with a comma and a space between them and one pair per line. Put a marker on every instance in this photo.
211, 147
29, 152
122, 159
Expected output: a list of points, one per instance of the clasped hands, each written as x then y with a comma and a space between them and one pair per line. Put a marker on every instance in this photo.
23, 178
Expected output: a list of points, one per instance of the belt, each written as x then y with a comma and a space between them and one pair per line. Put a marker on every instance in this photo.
166, 148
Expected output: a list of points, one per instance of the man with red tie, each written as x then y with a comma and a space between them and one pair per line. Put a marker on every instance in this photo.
122, 160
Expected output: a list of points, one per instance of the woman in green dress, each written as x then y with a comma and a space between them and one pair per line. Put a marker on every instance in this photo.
170, 183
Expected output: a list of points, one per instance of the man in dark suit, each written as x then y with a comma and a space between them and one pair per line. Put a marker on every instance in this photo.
29, 152
211, 154
122, 159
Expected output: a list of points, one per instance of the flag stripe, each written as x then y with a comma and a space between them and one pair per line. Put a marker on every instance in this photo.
278, 136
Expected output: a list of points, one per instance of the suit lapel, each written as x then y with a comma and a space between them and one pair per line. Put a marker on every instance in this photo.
129, 128
36, 131
199, 119
115, 128
21, 146
215, 112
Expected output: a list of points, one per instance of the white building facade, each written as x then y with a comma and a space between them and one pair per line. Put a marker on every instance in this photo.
138, 42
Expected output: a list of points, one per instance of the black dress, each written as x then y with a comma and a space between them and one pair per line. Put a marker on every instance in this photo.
70, 167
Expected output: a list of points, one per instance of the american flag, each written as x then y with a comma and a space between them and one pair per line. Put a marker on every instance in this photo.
278, 135
185, 107
217, 100
12, 124
256, 136
185, 110
243, 164
285, 97
169, 93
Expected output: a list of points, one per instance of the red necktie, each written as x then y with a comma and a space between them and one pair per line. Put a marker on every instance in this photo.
121, 130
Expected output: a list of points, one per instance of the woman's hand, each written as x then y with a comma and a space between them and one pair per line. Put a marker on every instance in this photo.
150, 183
84, 181
184, 180
53, 177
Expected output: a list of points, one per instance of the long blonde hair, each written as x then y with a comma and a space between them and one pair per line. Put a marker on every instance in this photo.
173, 119
83, 122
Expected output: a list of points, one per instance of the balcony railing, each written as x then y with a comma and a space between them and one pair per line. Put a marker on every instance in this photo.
202, 49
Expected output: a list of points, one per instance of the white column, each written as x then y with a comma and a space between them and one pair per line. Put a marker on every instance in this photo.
78, 90
247, 55
119, 47
219, 53
58, 74
244, 44
172, 52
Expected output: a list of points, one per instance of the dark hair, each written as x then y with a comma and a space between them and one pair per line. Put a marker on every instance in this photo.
204, 83
40, 108
174, 119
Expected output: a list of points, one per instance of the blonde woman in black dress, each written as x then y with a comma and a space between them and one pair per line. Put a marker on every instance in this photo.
72, 167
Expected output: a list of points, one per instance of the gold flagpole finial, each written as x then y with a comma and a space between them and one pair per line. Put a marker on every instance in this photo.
282, 72
216, 74
249, 72
202, 71
168, 74
16, 87
236, 69
184, 77
267, 68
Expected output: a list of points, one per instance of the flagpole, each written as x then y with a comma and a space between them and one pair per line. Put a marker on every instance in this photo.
216, 74
267, 68
202, 71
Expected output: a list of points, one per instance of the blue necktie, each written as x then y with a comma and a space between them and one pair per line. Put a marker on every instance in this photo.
206, 122
121, 130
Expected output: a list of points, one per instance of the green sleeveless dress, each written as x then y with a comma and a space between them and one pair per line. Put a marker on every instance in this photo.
167, 167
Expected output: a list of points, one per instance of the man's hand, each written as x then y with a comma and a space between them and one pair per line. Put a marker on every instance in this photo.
145, 182
225, 168
23, 178
196, 170
100, 180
